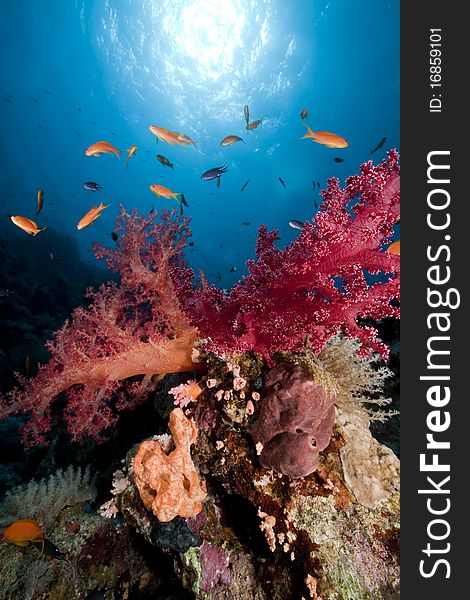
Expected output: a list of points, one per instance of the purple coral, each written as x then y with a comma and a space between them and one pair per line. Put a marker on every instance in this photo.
296, 421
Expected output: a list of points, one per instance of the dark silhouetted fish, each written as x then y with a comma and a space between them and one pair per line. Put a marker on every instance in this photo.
50, 549
282, 181
115, 236
379, 145
164, 161
213, 173
246, 223
183, 200
233, 269
246, 112
92, 186
338, 160
304, 113
244, 185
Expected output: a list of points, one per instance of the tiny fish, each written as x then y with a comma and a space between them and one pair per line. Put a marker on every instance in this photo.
114, 236
246, 112
54, 257
233, 269
102, 148
244, 185
230, 139
304, 113
338, 160
296, 224
328, 139
254, 125
246, 223
5, 293
190, 243
91, 216
164, 161
130, 153
282, 181
219, 276
394, 248
183, 200
40, 200
217, 183
379, 145
92, 186
318, 183
35, 100
26, 225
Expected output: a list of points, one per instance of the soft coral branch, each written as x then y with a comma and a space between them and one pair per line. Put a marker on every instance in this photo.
316, 286
134, 328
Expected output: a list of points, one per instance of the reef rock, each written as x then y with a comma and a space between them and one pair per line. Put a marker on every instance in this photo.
371, 470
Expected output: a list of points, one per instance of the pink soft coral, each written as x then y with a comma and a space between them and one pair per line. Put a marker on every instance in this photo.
134, 328
317, 286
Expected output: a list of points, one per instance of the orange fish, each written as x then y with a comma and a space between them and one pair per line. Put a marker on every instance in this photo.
26, 225
185, 139
23, 532
330, 140
160, 190
253, 125
394, 248
40, 198
171, 137
102, 148
304, 113
230, 139
91, 215
130, 152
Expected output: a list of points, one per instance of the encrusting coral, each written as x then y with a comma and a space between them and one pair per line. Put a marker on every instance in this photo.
168, 483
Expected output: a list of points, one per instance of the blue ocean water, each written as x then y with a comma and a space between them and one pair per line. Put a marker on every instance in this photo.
77, 72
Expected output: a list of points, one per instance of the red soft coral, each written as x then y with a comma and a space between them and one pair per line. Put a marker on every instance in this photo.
134, 328
317, 286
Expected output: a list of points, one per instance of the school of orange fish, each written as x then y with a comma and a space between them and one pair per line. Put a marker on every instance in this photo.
326, 138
